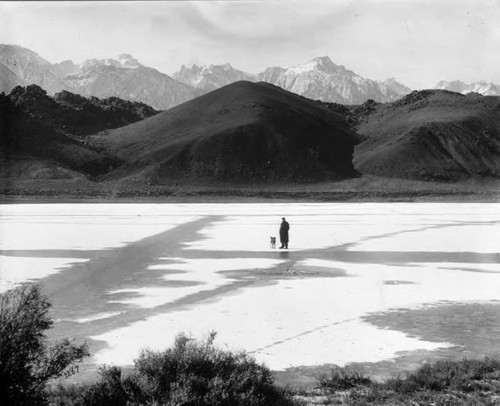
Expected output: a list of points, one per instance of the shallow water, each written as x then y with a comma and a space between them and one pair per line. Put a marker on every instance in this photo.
151, 271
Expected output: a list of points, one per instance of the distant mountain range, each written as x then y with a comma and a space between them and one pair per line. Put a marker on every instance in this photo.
126, 78
211, 77
319, 79
20, 67
218, 127
481, 87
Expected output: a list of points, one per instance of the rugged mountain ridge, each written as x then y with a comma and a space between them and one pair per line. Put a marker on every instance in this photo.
20, 67
211, 77
124, 77
319, 79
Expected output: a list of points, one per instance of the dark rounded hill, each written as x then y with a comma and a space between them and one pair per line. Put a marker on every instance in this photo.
242, 132
431, 135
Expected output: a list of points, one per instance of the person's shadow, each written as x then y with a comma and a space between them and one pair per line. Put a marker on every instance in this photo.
284, 254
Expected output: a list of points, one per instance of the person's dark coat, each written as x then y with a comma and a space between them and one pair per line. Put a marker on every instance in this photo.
284, 232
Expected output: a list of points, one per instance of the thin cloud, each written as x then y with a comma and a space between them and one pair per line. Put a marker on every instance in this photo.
417, 41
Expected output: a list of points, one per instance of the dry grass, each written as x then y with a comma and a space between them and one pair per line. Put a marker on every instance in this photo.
444, 383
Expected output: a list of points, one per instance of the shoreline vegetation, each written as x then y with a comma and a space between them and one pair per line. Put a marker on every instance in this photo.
197, 373
440, 383
363, 188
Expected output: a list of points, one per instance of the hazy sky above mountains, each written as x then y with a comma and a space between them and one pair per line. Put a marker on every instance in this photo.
419, 42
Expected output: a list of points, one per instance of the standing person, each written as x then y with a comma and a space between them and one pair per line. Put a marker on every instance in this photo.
284, 233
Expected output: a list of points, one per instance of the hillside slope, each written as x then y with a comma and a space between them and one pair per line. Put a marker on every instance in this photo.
431, 135
243, 131
25, 138
76, 115
43, 137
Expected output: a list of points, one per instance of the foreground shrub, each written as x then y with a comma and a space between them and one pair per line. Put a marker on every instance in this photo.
443, 383
196, 373
191, 373
107, 391
342, 379
464, 376
27, 362
66, 395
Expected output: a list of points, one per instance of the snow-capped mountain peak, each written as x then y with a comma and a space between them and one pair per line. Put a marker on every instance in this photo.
125, 61
125, 77
211, 77
482, 87
214, 68
128, 61
324, 63
322, 79
390, 81
321, 64
391, 85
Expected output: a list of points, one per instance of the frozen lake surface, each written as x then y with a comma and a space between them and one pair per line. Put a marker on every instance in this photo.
131, 276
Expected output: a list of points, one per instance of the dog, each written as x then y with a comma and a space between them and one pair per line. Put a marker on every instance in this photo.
273, 242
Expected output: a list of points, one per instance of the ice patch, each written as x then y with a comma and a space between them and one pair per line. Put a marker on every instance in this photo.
83, 227
203, 266
205, 271
478, 238
99, 316
16, 270
318, 320
295, 321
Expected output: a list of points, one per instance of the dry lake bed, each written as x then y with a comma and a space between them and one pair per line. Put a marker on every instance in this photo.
385, 286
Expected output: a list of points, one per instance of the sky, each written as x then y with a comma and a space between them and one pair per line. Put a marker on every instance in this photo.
418, 42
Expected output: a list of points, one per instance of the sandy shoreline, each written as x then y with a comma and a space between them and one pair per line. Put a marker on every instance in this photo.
365, 188
327, 197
